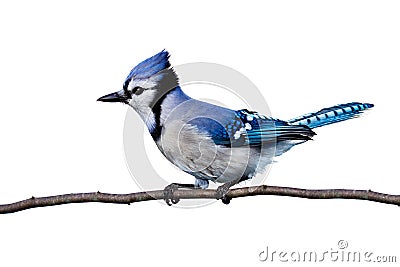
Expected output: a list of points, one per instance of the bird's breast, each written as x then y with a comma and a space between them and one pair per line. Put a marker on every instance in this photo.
194, 152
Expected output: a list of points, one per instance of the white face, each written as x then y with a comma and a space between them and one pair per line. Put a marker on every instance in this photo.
144, 92
142, 104
143, 99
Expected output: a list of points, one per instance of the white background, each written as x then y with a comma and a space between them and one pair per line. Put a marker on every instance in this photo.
57, 58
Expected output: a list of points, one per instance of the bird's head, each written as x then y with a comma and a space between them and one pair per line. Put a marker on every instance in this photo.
146, 84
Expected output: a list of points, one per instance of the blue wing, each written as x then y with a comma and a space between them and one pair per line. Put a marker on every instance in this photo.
250, 128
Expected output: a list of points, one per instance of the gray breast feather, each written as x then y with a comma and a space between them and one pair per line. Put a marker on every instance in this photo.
196, 153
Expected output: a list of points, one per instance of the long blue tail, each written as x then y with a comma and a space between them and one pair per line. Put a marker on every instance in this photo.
330, 115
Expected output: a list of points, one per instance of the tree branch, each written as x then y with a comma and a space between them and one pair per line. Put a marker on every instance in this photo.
34, 202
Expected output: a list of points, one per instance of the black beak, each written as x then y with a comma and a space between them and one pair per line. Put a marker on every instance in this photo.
114, 97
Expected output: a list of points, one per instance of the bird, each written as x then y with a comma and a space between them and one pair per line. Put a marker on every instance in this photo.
211, 142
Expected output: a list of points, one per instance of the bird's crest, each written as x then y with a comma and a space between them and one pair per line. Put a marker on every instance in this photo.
150, 66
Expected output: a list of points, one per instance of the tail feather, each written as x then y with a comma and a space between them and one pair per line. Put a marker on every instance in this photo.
331, 115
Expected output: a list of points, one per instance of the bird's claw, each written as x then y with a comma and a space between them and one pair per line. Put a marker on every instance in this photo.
221, 193
169, 194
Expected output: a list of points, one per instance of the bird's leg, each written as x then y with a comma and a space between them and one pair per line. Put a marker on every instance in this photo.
222, 190
171, 188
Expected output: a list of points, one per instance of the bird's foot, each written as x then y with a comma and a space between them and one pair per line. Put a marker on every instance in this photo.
169, 194
222, 190
170, 189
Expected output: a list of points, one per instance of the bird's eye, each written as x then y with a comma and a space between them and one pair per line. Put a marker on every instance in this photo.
137, 90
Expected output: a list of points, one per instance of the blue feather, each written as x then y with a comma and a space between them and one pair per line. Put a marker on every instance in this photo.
213, 128
331, 115
150, 66
250, 128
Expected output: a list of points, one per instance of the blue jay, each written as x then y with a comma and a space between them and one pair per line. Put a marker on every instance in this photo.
211, 142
